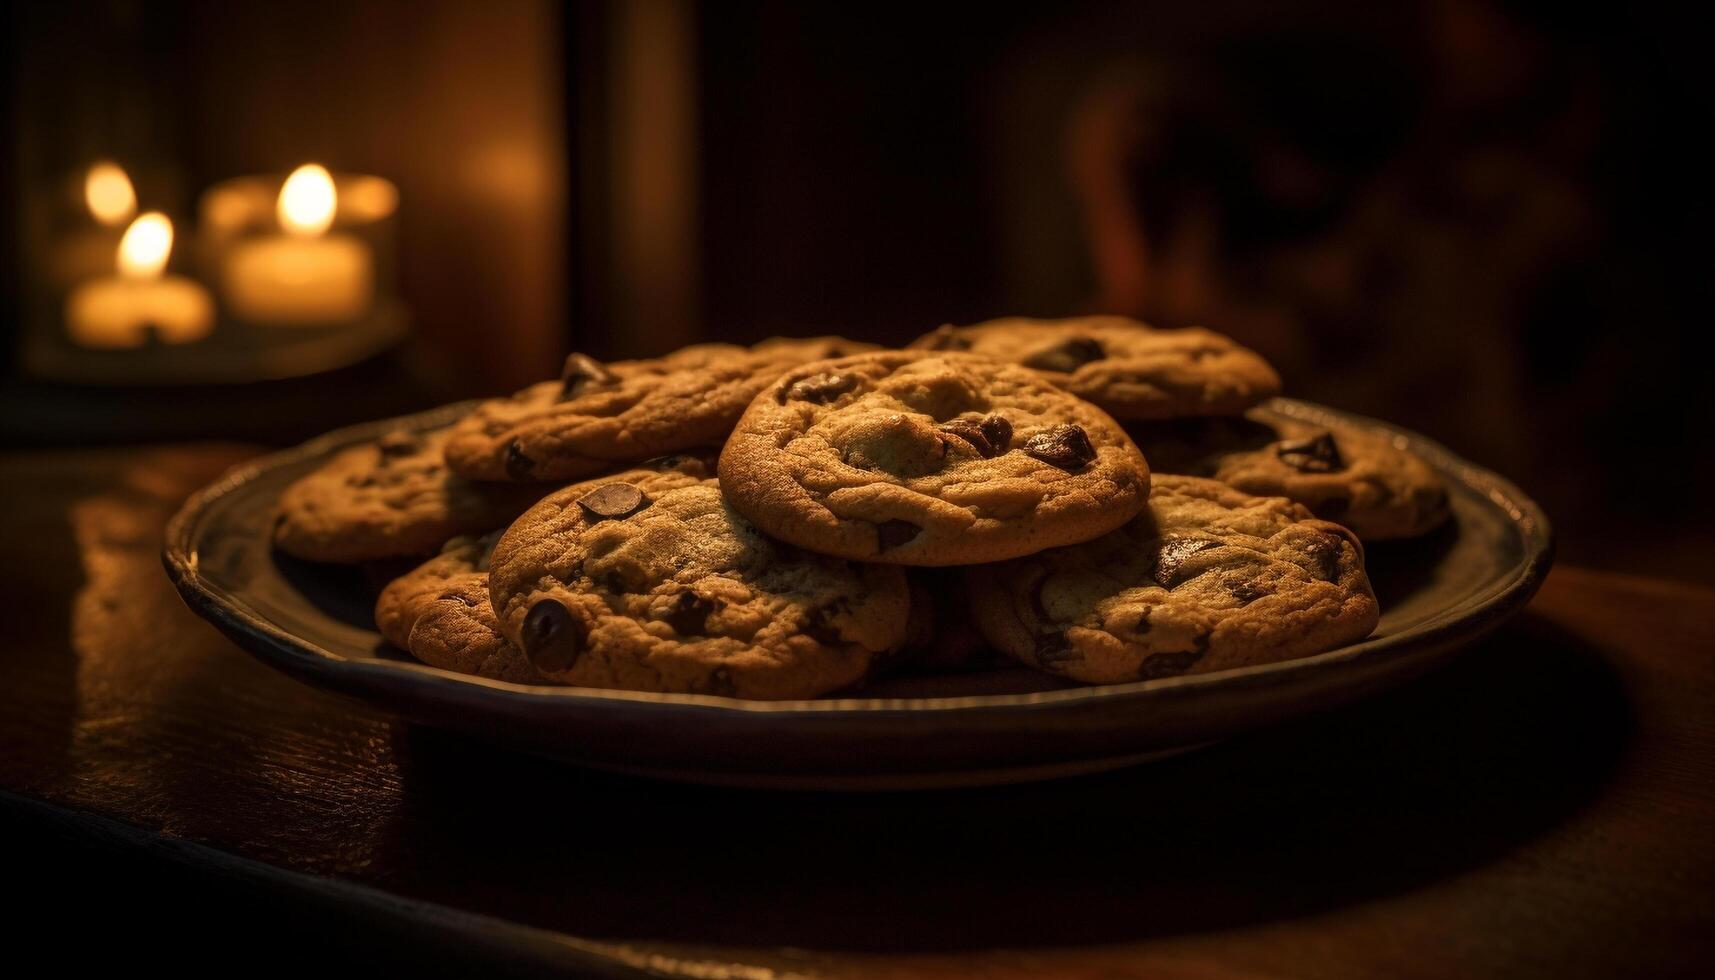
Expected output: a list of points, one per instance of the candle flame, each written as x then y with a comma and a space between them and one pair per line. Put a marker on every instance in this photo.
108, 192
144, 249
307, 201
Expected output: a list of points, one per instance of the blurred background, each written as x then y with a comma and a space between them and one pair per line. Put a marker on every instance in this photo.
1481, 219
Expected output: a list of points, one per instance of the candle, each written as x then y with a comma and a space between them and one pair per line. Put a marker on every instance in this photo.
305, 277
84, 249
124, 310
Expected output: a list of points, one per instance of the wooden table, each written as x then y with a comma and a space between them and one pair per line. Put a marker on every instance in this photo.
1543, 807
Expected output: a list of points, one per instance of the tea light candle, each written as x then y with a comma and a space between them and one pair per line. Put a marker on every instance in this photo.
84, 249
305, 277
124, 310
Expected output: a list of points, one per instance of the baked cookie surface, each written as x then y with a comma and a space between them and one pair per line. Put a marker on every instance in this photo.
598, 416
650, 581
391, 498
1207, 578
924, 458
405, 598
1352, 476
440, 612
1129, 369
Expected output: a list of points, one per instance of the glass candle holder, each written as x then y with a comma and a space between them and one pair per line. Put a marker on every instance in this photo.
312, 250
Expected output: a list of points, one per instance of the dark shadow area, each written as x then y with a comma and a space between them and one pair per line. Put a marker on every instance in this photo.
145, 902
36, 413
38, 663
344, 592
1399, 569
1448, 774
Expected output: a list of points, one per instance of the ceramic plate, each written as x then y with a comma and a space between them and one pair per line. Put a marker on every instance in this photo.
314, 623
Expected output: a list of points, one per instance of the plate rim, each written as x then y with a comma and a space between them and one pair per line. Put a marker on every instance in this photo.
226, 609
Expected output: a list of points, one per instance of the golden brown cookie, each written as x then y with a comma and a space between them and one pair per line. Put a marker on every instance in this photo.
404, 598
458, 631
600, 416
1131, 370
441, 614
1354, 476
649, 581
391, 498
922, 458
1207, 578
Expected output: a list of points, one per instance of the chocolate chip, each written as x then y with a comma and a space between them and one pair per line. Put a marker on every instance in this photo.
582, 372
819, 625
1245, 592
1324, 552
1067, 356
1317, 454
821, 388
552, 637
946, 337
1171, 556
971, 431
612, 500
1066, 446
688, 615
1167, 664
892, 534
518, 465
989, 436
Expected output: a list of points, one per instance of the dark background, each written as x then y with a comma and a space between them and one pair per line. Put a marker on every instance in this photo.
1486, 221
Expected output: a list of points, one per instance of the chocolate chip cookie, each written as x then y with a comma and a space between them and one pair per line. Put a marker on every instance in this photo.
650, 581
1350, 475
404, 598
599, 416
1131, 370
1205, 579
440, 612
925, 458
391, 498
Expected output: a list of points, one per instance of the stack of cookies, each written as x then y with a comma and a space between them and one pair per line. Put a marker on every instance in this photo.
778, 521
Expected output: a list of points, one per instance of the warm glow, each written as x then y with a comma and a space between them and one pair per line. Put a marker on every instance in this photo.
227, 209
307, 201
367, 198
109, 194
144, 249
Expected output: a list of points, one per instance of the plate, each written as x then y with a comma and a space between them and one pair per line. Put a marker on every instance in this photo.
1005, 725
